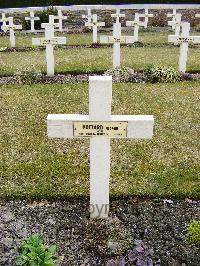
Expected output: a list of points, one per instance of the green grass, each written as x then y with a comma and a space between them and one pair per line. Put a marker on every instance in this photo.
91, 60
33, 166
25, 40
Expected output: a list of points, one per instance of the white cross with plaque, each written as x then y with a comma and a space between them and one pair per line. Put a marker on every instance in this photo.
146, 16
88, 17
116, 40
60, 18
100, 126
32, 19
94, 24
49, 41
11, 28
117, 15
183, 39
136, 24
3, 20
172, 15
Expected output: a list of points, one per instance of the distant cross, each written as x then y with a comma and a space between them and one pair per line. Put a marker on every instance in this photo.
146, 16
94, 24
176, 24
116, 40
172, 15
136, 24
32, 19
11, 28
183, 39
100, 126
49, 41
3, 20
88, 17
60, 17
117, 15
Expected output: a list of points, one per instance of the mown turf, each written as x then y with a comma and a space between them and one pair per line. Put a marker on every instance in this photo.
32, 166
91, 60
25, 40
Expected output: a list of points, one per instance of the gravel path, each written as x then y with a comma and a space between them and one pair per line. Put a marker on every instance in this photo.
161, 224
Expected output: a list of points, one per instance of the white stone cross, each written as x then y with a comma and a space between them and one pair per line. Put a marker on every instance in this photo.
11, 27
176, 24
49, 41
136, 24
117, 15
88, 17
183, 39
3, 20
172, 15
32, 19
100, 126
94, 24
116, 40
146, 16
60, 17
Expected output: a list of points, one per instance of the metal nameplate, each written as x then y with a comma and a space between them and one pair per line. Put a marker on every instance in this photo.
49, 41
185, 39
108, 129
121, 39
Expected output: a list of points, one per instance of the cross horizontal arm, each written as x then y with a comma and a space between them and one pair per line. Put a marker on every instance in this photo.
173, 38
45, 41
61, 125
91, 24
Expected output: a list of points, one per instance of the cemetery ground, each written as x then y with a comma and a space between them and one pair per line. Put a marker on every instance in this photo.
154, 184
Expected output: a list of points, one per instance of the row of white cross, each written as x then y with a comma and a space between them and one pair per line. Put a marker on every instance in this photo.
183, 38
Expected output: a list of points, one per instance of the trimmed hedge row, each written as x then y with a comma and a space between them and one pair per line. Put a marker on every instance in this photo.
26, 3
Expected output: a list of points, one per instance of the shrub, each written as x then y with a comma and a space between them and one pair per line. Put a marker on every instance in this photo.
161, 74
33, 252
28, 76
193, 235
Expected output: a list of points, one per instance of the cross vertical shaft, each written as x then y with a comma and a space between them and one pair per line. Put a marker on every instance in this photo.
100, 97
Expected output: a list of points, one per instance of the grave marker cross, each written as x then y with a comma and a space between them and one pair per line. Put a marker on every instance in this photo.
32, 19
94, 24
176, 24
116, 40
88, 17
172, 15
146, 16
11, 27
136, 24
183, 39
49, 41
60, 17
3, 20
100, 126
117, 15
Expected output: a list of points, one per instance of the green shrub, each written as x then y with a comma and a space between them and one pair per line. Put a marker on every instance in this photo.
29, 75
161, 74
193, 235
33, 252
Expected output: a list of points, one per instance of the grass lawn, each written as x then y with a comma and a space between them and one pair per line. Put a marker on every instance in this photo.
25, 40
91, 60
32, 166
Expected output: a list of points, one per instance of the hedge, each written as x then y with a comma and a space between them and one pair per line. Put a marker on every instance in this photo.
27, 3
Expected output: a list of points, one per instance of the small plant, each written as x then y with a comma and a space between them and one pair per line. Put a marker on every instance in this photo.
33, 252
140, 255
161, 74
28, 76
193, 235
